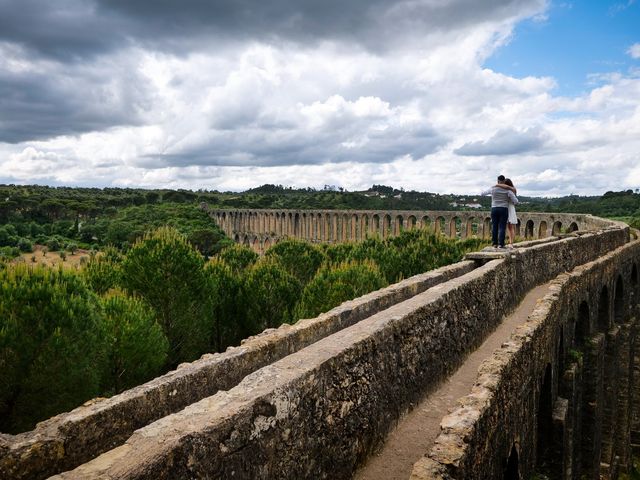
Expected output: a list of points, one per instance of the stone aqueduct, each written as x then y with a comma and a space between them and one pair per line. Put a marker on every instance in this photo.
260, 229
316, 399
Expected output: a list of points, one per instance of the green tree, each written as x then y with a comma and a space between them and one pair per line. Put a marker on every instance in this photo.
137, 346
54, 243
209, 241
25, 245
103, 271
166, 271
338, 252
334, 284
8, 236
270, 294
301, 259
238, 257
386, 256
52, 344
225, 306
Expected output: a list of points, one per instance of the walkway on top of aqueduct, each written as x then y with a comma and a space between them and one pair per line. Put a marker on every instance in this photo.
552, 325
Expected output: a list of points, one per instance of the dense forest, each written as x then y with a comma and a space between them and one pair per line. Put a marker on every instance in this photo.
160, 283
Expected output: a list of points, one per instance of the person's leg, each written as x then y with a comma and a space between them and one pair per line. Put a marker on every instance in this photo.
511, 233
495, 220
502, 225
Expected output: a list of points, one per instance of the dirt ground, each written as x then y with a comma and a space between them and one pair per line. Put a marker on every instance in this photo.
51, 259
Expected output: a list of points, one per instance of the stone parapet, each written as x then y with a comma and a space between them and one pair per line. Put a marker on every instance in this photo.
69, 439
497, 422
321, 411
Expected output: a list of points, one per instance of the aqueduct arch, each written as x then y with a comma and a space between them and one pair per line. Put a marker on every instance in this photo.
333, 226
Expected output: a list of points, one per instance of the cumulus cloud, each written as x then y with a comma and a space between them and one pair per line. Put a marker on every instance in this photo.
71, 29
231, 94
40, 100
634, 50
507, 141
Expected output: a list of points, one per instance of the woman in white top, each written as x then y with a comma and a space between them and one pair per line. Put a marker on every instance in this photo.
512, 221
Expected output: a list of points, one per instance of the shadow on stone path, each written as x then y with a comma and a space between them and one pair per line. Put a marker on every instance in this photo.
415, 433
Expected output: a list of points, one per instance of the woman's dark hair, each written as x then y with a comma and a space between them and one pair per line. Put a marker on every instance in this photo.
500, 178
509, 182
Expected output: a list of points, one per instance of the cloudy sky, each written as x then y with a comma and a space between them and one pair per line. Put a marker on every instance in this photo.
436, 95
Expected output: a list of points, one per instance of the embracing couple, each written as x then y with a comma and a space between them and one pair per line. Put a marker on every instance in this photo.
503, 211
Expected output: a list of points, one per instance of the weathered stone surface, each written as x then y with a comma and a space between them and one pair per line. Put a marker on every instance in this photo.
481, 434
319, 412
67, 440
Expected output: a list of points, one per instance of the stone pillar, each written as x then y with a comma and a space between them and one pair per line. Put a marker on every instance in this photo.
559, 453
344, 224
610, 388
466, 229
374, 224
453, 227
622, 429
635, 390
571, 388
592, 403
362, 221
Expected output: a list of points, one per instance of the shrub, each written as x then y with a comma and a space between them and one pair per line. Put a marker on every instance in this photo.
137, 347
8, 237
52, 344
25, 245
167, 272
54, 244
9, 253
334, 284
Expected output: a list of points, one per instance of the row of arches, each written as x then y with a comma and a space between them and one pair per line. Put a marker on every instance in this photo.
599, 311
342, 226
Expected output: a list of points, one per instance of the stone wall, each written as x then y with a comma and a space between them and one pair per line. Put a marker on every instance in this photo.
69, 439
577, 348
320, 412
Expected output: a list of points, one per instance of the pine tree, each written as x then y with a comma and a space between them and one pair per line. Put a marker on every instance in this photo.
52, 344
137, 347
334, 284
167, 272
